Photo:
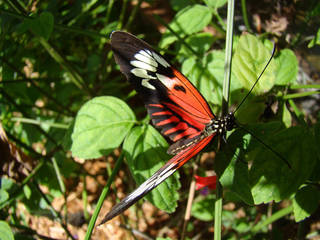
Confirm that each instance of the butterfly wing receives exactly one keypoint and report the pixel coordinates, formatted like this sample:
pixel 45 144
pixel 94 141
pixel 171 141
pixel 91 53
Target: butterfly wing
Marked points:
pixel 158 177
pixel 174 104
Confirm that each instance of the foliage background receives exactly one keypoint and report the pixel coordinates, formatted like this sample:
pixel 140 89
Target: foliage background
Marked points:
pixel 55 58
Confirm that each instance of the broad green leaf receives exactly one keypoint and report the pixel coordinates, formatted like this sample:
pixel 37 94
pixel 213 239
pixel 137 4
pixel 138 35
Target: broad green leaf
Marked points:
pixel 270 178
pixel 189 20
pixel 42 25
pixel 215 3
pixel 5 231
pixel 287 67
pixel 203 208
pixel 199 42
pixel 250 57
pixel 305 202
pixel 100 126
pixel 235 176
pixel 251 110
pixel 145 151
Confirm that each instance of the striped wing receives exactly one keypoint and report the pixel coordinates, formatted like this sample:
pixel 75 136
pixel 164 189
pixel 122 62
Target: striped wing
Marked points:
pixel 158 177
pixel 174 104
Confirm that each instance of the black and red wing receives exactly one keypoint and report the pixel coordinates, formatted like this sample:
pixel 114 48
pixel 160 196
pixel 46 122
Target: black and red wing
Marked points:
pixel 174 104
pixel 158 177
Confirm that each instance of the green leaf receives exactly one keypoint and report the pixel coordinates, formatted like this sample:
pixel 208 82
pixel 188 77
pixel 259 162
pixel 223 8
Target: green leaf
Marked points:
pixel 287 67
pixel 286 116
pixel 199 42
pixel 100 126
pixel 215 3
pixel 251 110
pixel 42 25
pixel 145 151
pixel 27 191
pixel 270 178
pixel 4 196
pixel 203 208
pixel 235 177
pixel 5 231
pixel 315 176
pixel 189 20
pixel 315 40
pixel 177 5
pixel 250 57
pixel 305 202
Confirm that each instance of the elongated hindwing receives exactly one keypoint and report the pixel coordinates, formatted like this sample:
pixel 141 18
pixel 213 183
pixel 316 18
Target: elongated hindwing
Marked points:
pixel 174 104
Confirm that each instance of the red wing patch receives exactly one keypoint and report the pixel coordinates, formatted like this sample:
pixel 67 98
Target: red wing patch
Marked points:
pixel 174 104
pixel 158 177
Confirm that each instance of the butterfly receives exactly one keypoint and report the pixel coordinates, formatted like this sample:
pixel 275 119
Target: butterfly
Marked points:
pixel 175 106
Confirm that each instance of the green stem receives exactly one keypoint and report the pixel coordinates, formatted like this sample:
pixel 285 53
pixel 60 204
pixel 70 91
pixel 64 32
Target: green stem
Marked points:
pixel 123 11
pixel 245 15
pixel 305 86
pixel 297 112
pixel 110 5
pixel 281 213
pixel 74 75
pixel 62 187
pixel 220 20
pixel 299 95
pixel 218 211
pixel 55 213
pixel 133 14
pixel 225 103
pixel 102 197
pixel 38 122
pixel 85 198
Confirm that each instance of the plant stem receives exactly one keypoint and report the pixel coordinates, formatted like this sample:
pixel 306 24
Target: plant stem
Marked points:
pixel 244 15
pixel 298 95
pixel 39 122
pixel 225 103
pixel 281 213
pixel 305 86
pixel 103 196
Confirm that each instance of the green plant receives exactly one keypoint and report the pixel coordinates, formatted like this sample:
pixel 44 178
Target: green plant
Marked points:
pixel 53 63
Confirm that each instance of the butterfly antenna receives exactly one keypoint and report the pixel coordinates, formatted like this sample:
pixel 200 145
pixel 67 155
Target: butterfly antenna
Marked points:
pixel 255 83
pixel 266 146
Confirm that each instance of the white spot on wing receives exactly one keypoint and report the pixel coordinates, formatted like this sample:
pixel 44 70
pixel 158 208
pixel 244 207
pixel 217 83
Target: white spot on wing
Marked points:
pixel 145 83
pixel 143 65
pixel 149 60
pixel 160 60
pixel 168 82
pixel 142 73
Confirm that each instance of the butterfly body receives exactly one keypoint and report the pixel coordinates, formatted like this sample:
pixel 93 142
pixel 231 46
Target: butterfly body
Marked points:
pixel 175 106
